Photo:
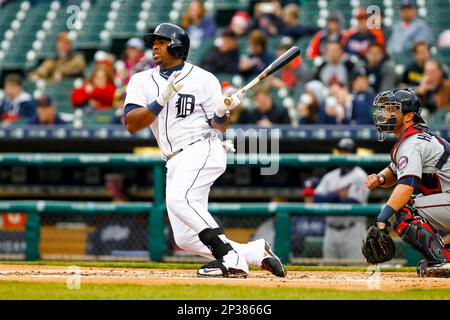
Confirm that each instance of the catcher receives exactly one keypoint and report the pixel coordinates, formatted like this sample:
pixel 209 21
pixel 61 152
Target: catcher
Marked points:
pixel 419 163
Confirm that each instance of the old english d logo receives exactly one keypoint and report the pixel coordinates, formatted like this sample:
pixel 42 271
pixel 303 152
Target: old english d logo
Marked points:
pixel 185 105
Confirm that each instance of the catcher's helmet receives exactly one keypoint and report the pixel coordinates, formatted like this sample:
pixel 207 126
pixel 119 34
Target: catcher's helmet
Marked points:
pixel 346 144
pixel 179 40
pixel 388 105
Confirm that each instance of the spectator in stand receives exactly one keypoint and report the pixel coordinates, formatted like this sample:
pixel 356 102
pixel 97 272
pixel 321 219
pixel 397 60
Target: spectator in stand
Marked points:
pixel 413 73
pixel 134 61
pixel 408 31
pixel 67 63
pixel 197 24
pixel 223 58
pixel 380 69
pixel 46 113
pixel 105 58
pixel 97 92
pixel 239 23
pixel 291 20
pixel 17 103
pixel 434 89
pixel 338 106
pixel 333 32
pixel 257 58
pixel 345 107
pixel 362 98
pixel 267 18
pixel 336 67
pixel 311 102
pixel 357 40
pixel 293 76
pixel 266 112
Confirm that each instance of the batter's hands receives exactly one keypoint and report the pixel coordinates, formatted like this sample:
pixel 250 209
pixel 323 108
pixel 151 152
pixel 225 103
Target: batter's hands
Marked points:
pixel 222 108
pixel 373 181
pixel 170 90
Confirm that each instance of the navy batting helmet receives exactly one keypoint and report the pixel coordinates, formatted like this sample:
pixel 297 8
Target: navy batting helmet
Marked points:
pixel 388 105
pixel 179 40
pixel 346 144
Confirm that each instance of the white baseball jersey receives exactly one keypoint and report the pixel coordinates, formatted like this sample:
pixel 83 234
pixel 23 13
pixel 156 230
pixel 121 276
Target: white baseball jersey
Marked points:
pixel 186 116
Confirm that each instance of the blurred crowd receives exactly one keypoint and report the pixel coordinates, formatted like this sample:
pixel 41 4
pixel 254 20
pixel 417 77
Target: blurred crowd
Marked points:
pixel 334 81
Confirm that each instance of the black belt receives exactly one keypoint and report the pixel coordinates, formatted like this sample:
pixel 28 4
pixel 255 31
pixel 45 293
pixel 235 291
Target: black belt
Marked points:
pixel 170 156
pixel 341 226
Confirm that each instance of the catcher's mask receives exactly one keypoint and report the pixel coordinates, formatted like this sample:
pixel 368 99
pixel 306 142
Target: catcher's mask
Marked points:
pixel 389 105
pixel 386 111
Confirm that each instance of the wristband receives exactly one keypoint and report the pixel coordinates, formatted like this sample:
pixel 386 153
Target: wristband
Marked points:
pixel 385 213
pixel 220 120
pixel 155 108
pixel 384 178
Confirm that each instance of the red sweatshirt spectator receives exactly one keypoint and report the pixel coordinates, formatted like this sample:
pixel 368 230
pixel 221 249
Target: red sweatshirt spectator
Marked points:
pixel 98 91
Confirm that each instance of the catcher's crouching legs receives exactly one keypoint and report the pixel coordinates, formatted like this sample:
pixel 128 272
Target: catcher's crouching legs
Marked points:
pixel 419 234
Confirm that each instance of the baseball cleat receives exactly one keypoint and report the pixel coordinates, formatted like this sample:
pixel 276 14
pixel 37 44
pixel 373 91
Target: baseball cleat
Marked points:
pixel 272 263
pixel 232 265
pixel 438 270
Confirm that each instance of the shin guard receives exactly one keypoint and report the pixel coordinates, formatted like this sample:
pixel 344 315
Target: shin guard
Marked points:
pixel 417 232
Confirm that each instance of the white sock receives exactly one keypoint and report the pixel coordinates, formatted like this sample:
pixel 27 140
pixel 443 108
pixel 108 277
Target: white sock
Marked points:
pixel 253 251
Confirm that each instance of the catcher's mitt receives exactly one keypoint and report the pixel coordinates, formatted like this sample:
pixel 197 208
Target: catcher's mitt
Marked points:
pixel 378 246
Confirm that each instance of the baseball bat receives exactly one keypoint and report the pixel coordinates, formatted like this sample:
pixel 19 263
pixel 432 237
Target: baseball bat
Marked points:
pixel 276 65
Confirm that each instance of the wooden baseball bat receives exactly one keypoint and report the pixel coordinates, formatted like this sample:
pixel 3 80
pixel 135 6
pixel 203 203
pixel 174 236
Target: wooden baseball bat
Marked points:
pixel 276 65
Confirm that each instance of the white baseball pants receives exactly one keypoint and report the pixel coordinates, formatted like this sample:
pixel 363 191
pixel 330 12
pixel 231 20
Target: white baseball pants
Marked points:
pixel 190 175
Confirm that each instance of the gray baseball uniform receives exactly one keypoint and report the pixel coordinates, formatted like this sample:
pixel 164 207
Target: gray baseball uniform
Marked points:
pixel 340 229
pixel 419 155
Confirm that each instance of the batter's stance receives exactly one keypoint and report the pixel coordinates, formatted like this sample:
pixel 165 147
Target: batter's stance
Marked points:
pixel 419 162
pixel 184 107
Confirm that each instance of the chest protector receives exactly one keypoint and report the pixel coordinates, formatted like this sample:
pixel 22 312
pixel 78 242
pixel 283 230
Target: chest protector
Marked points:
pixel 430 182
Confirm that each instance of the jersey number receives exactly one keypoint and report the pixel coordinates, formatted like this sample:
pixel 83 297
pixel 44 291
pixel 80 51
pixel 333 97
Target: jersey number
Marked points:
pixel 424 136
pixel 185 105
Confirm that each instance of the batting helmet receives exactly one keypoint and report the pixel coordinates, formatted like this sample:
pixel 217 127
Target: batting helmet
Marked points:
pixel 346 144
pixel 388 105
pixel 179 40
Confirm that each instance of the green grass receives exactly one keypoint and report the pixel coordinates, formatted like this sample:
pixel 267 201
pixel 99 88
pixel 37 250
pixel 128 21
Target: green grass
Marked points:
pixel 33 290
pixel 157 265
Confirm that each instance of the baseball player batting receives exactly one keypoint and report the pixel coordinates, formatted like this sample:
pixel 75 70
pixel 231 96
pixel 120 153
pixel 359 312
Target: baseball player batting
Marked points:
pixel 185 109
pixel 419 162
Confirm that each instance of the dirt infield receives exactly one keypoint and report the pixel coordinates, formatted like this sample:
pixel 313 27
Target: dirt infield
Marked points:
pixel 390 281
